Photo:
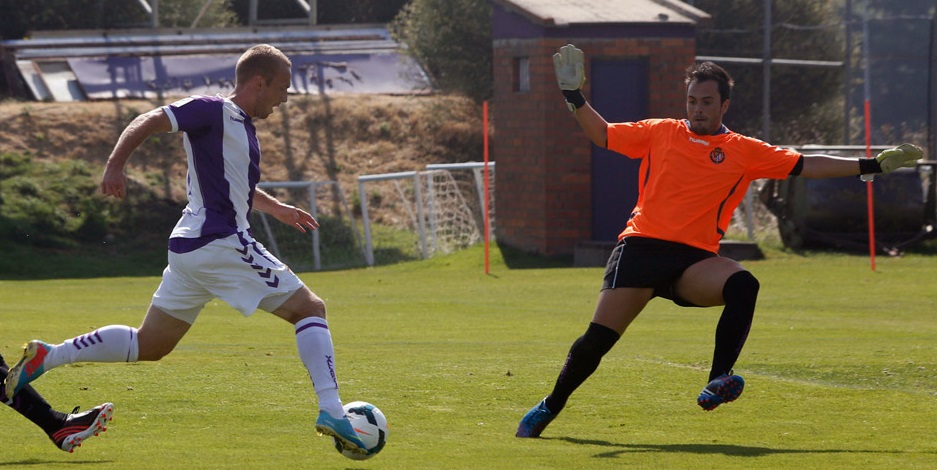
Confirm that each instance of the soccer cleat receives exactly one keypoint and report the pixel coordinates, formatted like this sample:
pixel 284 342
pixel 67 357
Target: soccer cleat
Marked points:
pixel 79 427
pixel 722 389
pixel 27 369
pixel 535 421
pixel 342 430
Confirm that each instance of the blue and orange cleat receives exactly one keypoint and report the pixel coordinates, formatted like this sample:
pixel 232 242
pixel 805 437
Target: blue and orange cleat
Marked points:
pixel 342 430
pixel 27 369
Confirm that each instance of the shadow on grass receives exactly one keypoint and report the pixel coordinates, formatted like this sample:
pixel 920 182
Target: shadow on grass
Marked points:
pixel 720 449
pixel 50 463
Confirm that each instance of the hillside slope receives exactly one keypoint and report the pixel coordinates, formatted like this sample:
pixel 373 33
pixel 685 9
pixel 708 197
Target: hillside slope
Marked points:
pixel 309 138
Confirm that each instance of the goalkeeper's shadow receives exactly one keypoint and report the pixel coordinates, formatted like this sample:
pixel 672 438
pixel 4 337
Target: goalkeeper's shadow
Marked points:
pixel 707 449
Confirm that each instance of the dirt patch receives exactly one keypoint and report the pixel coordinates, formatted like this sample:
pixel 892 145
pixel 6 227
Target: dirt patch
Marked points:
pixel 311 138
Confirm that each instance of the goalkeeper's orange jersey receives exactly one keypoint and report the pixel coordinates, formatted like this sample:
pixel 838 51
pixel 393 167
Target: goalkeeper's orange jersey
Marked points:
pixel 689 184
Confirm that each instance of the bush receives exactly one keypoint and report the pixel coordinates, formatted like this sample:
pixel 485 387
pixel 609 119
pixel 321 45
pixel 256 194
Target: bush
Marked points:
pixel 57 205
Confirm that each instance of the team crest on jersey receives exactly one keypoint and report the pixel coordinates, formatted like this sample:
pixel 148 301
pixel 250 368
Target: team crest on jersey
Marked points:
pixel 717 156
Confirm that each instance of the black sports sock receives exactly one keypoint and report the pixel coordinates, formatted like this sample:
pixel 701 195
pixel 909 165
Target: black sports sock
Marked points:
pixel 583 359
pixel 740 293
pixel 30 404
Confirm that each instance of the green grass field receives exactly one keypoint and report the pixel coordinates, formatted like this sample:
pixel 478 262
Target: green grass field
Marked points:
pixel 841 372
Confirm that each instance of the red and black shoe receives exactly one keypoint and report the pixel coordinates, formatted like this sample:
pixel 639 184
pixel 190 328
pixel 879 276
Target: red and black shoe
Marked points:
pixel 79 427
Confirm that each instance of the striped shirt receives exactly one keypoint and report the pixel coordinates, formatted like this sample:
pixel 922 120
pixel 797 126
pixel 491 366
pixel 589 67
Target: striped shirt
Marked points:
pixel 223 160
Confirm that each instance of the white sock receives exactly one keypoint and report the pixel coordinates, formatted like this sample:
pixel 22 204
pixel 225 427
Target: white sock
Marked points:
pixel 315 350
pixel 115 343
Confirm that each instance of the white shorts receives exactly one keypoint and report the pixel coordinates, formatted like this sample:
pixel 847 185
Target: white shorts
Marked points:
pixel 245 277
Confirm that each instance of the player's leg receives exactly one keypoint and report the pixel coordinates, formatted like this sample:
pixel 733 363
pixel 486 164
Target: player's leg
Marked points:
pixel 306 312
pixel 158 335
pixel 615 310
pixel 722 281
pixel 66 431
pixel 30 404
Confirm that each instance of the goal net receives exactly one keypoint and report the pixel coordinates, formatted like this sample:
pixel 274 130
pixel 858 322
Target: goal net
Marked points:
pixel 335 245
pixel 417 214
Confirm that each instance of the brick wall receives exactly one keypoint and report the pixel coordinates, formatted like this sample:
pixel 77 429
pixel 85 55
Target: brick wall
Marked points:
pixel 544 182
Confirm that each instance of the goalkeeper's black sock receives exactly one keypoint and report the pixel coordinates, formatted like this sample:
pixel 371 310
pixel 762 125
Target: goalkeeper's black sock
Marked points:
pixel 30 404
pixel 740 293
pixel 584 357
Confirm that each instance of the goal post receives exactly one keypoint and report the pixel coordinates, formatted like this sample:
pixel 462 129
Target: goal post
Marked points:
pixel 421 213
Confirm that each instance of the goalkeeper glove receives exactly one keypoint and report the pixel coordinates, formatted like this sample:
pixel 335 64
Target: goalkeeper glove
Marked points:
pixel 569 65
pixel 904 155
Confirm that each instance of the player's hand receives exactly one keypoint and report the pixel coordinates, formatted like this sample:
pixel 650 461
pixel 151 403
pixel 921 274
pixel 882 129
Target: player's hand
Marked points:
pixel 295 217
pixel 114 183
pixel 570 69
pixel 904 155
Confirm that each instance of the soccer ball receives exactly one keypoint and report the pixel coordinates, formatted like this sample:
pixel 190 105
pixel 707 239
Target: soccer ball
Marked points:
pixel 370 424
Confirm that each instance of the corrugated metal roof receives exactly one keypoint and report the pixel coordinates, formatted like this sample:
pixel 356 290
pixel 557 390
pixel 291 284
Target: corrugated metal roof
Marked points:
pixel 563 12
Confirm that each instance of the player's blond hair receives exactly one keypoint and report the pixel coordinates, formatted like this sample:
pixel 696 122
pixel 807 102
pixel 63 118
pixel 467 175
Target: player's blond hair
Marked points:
pixel 262 59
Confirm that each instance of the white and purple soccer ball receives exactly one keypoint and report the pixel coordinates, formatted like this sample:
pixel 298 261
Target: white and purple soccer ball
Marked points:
pixel 370 424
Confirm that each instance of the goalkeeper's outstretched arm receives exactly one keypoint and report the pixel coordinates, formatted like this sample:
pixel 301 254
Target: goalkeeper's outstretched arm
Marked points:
pixel 827 166
pixel 569 65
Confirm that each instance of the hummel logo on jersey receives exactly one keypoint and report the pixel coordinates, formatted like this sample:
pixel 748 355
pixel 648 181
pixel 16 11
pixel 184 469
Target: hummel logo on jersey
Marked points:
pixel 235 119
pixel 699 141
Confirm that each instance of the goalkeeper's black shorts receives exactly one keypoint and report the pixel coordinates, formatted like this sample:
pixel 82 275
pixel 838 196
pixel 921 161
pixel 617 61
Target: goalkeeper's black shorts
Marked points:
pixel 648 262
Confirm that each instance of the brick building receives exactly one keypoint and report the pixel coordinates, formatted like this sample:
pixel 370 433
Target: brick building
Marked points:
pixel 555 189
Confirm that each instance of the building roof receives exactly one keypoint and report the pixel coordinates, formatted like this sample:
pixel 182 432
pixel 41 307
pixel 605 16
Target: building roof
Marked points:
pixel 566 12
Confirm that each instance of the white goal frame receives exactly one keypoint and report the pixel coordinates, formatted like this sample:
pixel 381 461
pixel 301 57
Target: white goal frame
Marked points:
pixel 311 188
pixel 418 212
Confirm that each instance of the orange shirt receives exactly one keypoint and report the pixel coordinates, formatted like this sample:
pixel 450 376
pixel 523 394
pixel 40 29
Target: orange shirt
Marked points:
pixel 689 184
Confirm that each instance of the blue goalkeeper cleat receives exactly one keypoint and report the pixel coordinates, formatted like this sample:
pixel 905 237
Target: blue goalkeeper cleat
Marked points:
pixel 27 369
pixel 535 421
pixel 722 389
pixel 342 430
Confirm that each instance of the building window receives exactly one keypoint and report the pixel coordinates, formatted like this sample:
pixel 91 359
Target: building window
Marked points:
pixel 521 74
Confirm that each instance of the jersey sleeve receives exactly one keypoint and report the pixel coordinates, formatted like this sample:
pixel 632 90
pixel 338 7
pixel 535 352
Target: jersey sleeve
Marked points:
pixel 631 139
pixel 193 114
pixel 770 161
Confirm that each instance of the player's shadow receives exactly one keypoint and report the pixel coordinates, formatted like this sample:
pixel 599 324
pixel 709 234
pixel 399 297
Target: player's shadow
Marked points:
pixel 40 463
pixel 722 449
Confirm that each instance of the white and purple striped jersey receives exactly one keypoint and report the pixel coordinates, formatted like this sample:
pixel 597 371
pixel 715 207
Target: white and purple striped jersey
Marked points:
pixel 223 159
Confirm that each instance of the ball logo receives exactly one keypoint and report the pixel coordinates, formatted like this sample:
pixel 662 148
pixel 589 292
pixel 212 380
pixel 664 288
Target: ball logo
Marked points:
pixel 717 156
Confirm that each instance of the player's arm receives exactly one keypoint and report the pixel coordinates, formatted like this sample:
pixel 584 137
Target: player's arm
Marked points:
pixel 289 215
pixel 114 182
pixel 828 166
pixel 569 64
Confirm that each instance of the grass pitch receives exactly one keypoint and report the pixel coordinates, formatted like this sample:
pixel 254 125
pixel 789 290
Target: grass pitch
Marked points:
pixel 841 372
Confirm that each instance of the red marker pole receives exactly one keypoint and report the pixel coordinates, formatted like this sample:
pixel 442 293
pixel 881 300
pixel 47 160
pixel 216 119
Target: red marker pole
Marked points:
pixel 486 176
pixel 870 200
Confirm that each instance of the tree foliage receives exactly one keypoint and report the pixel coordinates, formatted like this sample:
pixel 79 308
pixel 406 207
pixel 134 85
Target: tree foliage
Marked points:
pixel 806 102
pixel 452 40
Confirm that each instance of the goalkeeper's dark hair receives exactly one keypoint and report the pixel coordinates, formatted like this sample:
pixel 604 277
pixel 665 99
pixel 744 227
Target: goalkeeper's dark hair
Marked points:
pixel 704 71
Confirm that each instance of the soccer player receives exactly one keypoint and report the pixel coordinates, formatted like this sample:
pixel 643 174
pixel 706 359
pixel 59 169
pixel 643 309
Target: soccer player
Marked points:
pixel 211 251
pixel 694 172
pixel 66 430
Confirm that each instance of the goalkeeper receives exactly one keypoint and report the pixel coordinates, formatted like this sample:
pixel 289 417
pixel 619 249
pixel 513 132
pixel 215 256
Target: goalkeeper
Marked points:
pixel 694 172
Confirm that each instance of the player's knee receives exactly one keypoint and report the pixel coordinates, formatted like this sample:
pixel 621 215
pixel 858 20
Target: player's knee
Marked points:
pixel 741 287
pixel 597 341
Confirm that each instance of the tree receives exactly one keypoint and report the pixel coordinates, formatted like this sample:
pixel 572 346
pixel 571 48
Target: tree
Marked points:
pixel 452 40
pixel 19 18
pixel 806 102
